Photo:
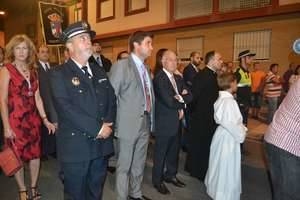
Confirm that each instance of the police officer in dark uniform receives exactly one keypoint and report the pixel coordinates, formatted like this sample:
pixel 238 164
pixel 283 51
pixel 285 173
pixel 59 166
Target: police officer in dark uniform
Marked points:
pixel 244 83
pixel 86 108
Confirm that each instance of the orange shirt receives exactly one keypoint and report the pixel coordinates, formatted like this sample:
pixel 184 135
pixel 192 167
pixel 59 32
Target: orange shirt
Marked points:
pixel 257 78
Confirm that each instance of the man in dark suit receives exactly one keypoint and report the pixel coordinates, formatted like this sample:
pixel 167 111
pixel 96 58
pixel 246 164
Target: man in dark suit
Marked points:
pixel 48 140
pixel 203 126
pixel 86 105
pixel 192 68
pixel 189 73
pixel 171 96
pixel 98 58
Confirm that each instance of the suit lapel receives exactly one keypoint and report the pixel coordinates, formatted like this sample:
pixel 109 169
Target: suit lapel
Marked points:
pixel 170 83
pixel 132 64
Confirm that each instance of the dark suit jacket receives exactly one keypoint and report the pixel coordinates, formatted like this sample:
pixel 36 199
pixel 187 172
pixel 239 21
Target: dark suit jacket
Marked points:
pixel 83 105
pixel 205 93
pixel 203 126
pixel 166 113
pixel 46 94
pixel 105 61
pixel 189 73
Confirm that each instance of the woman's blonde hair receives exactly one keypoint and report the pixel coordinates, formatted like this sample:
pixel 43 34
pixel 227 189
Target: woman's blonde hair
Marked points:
pixel 16 40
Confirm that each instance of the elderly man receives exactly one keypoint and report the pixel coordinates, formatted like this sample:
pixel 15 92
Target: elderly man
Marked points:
pixel 171 97
pixel 85 100
pixel 203 126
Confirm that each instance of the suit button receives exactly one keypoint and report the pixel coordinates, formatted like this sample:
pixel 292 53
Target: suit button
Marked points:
pixel 102 118
pixel 80 91
pixel 101 104
pixel 73 134
pixel 84 134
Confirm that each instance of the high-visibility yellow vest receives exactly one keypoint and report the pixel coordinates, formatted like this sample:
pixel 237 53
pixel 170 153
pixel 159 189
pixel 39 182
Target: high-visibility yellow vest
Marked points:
pixel 245 78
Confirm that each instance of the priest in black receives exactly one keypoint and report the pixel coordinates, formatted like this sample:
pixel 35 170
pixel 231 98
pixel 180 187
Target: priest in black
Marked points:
pixel 203 126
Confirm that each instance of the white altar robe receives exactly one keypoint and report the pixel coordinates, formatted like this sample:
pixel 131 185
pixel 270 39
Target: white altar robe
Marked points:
pixel 223 177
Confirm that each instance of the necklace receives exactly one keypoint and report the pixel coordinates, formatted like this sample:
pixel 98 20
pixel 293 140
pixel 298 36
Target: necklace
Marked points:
pixel 26 74
pixel 24 70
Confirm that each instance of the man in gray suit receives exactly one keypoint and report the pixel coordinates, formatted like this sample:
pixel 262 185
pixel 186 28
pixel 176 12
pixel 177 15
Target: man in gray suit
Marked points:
pixel 135 107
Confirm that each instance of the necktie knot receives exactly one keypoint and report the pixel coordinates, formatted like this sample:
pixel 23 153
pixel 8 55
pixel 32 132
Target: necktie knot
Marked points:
pixel 99 61
pixel 86 72
pixel 46 67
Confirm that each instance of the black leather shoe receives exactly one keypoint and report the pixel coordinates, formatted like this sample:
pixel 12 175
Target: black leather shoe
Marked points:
pixel 175 181
pixel 162 188
pixel 139 198
pixel 111 169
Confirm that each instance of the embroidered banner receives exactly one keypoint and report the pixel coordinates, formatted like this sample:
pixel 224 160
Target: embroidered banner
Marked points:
pixel 54 19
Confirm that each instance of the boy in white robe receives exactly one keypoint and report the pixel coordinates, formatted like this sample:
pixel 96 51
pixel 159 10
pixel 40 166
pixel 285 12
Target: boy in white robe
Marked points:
pixel 223 177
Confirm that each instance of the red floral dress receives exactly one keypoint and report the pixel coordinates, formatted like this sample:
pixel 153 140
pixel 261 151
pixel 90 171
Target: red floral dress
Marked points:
pixel 23 115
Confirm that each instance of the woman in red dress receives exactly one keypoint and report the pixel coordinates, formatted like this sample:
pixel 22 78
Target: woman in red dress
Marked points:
pixel 22 109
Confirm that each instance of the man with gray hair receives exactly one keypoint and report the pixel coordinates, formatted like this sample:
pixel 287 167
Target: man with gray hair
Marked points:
pixel 171 97
pixel 86 103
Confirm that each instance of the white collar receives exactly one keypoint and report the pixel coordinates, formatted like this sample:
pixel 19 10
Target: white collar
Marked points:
pixel 195 67
pixel 80 66
pixel 137 60
pixel 168 73
pixel 96 55
pixel 224 94
pixel 211 68
pixel 45 65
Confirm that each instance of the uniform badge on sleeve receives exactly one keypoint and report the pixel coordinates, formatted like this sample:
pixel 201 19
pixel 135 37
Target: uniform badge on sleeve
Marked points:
pixel 75 81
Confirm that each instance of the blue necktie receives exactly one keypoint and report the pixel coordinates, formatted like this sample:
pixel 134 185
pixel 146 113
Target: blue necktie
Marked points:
pixel 99 61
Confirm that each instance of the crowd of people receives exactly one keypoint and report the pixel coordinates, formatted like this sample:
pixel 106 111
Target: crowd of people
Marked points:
pixel 87 111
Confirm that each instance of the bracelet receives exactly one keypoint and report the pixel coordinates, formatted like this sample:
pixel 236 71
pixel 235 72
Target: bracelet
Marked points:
pixel 43 118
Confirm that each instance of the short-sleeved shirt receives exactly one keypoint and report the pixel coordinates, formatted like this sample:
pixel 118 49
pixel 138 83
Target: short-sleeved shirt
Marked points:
pixel 257 78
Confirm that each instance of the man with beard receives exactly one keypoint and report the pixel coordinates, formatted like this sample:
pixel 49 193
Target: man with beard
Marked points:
pixel 189 73
pixel 85 104
pixel 192 68
pixel 98 58
pixel 203 126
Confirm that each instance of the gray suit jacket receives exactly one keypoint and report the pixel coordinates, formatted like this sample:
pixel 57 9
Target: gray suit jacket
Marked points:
pixel 125 79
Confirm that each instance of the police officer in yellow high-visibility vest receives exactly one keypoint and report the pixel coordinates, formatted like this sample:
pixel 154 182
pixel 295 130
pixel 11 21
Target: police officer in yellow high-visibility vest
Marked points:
pixel 244 83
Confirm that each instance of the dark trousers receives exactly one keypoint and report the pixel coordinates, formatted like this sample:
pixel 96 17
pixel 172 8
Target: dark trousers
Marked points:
pixel 84 180
pixel 244 111
pixel 285 173
pixel 166 151
pixel 48 142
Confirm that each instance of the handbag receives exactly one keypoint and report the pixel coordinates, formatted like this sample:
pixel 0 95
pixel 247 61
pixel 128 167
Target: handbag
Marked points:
pixel 10 162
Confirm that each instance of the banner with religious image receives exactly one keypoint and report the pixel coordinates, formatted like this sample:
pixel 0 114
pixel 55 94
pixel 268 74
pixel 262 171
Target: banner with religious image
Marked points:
pixel 54 19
